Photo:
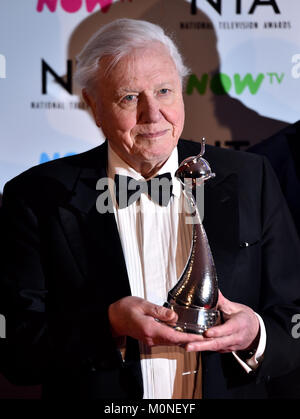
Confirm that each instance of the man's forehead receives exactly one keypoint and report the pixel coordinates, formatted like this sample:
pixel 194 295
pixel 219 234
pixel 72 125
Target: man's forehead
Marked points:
pixel 132 87
pixel 154 59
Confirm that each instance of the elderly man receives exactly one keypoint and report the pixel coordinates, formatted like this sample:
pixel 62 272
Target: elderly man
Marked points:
pixel 85 287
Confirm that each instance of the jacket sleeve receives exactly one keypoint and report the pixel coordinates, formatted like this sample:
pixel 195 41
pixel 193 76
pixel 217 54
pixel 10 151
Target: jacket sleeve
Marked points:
pixel 280 279
pixel 40 338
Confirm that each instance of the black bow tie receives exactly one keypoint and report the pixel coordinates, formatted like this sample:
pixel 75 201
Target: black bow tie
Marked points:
pixel 129 190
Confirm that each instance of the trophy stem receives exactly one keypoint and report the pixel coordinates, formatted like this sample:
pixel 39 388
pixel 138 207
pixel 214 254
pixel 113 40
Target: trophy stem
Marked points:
pixel 194 298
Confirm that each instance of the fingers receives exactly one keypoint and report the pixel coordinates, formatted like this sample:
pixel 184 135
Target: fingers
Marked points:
pixel 235 334
pixel 161 313
pixel 241 323
pixel 157 333
pixel 222 344
pixel 147 322
pixel 230 327
pixel 136 317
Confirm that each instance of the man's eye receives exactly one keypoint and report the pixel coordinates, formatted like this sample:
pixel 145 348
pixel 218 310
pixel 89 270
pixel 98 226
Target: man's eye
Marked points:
pixel 164 91
pixel 129 98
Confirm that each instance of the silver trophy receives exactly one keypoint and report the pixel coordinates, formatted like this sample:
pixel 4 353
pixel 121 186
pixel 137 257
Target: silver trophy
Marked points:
pixel 194 298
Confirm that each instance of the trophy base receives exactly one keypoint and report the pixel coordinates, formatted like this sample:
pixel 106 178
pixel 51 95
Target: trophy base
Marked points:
pixel 191 320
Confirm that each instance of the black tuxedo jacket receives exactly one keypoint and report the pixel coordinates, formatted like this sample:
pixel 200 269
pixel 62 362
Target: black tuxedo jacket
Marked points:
pixel 62 266
pixel 283 152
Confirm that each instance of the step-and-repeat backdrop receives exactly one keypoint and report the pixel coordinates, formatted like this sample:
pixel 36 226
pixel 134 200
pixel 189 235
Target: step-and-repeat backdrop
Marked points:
pixel 244 86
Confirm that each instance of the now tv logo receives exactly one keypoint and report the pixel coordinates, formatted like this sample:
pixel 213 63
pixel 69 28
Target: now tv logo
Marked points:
pixel 72 6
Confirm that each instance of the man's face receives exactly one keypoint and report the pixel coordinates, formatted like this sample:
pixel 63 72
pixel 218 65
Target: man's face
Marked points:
pixel 139 107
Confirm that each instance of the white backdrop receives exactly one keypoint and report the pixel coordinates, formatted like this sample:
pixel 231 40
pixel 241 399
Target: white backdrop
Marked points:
pixel 244 56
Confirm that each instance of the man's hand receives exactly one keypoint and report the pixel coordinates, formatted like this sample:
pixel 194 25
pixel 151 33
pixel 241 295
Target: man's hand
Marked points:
pixel 136 317
pixel 239 332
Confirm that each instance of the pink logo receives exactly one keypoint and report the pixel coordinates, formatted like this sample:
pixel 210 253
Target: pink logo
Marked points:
pixel 72 6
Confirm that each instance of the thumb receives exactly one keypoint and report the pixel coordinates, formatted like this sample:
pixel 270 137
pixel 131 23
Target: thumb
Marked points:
pixel 224 305
pixel 162 313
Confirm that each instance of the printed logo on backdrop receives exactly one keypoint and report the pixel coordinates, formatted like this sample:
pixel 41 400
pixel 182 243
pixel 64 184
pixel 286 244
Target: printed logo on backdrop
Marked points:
pixel 65 82
pixel 206 82
pixel 45 157
pixel 73 6
pixel 234 16
pixel 219 83
pixel 218 5
pixel 2 66
pixel 238 7
pixel 222 83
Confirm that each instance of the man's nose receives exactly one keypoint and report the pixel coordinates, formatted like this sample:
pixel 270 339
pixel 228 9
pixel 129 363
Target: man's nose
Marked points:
pixel 149 110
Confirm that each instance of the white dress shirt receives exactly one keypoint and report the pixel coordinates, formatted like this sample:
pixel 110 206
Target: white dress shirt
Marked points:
pixel 156 243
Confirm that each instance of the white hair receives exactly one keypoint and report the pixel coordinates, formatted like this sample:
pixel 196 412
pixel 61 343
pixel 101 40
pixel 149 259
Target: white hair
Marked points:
pixel 118 39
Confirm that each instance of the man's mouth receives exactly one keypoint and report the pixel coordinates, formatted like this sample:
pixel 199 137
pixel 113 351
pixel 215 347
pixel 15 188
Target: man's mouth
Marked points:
pixel 155 134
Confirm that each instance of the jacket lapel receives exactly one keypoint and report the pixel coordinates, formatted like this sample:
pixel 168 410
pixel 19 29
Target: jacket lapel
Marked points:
pixel 93 237
pixel 221 222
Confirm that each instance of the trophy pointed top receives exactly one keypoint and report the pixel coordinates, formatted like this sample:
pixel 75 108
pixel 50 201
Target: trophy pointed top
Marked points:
pixel 202 147
pixel 195 167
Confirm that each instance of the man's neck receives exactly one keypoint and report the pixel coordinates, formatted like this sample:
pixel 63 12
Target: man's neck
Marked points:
pixel 146 170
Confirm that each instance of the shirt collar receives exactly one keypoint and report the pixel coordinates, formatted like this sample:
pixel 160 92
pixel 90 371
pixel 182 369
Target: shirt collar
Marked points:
pixel 117 166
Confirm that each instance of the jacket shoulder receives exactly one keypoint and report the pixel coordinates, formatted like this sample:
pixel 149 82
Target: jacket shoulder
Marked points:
pixel 55 177
pixel 222 159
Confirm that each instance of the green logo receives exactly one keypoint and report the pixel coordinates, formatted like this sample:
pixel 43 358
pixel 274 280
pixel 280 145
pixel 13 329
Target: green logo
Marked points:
pixel 221 83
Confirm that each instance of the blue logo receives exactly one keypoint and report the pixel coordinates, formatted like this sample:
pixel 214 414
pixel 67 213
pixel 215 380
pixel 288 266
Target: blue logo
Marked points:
pixel 44 157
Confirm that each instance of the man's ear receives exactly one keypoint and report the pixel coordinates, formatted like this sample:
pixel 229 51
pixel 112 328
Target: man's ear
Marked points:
pixel 92 104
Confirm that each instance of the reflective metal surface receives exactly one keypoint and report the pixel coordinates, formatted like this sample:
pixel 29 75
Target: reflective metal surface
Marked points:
pixel 194 298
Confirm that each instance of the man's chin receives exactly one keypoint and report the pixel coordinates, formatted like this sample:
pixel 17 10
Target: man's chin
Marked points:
pixel 155 159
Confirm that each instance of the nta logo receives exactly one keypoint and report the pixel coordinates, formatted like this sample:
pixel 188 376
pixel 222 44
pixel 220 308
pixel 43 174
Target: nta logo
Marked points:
pixel 2 66
pixel 65 82
pixel 217 5
pixel 72 6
